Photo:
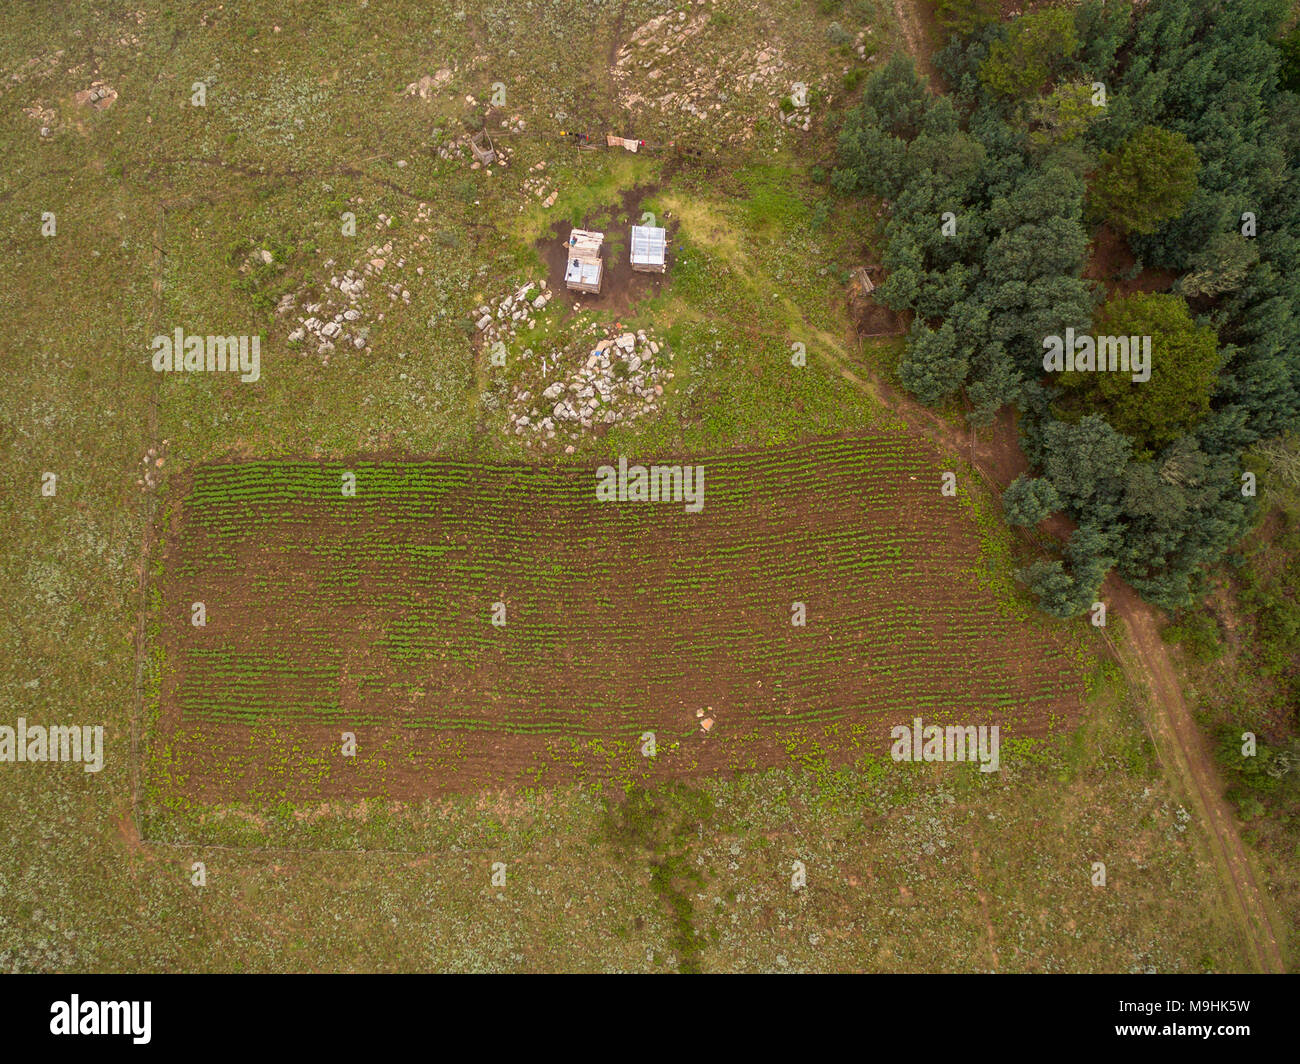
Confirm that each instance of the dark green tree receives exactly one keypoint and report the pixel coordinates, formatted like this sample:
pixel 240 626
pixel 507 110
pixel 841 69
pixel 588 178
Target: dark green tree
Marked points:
pixel 932 366
pixel 1029 500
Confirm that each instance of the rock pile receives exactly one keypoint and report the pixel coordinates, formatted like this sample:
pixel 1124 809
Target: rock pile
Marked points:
pixel 797 117
pixel 99 96
pixel 620 379
pixel 46 116
pixel 152 461
pixel 669 65
pixel 502 317
pixel 342 317
pixel 458 148
pixel 538 186
pixel 339 320
pixel 426 86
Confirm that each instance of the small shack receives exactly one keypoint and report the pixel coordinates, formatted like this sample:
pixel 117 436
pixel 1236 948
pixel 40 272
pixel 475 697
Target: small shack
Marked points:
pixel 583 266
pixel 481 145
pixel 649 249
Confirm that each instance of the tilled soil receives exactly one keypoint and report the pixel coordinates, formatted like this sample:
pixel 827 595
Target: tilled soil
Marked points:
pixel 373 615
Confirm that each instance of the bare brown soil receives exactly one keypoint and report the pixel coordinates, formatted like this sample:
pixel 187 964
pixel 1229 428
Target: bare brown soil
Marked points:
pixel 872 318
pixel 651 616
pixel 620 285
pixel 996 448
pixel 920 28
pixel 1111 259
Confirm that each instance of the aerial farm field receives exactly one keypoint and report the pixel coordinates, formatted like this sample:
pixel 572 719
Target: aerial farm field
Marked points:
pixel 376 613
pixel 500 812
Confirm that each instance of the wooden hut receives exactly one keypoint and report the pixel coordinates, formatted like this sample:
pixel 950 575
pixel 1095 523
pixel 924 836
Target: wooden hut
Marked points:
pixel 583 266
pixel 649 250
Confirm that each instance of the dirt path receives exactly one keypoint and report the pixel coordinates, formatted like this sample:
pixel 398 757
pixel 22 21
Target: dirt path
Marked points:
pixel 1146 662
pixel 1183 751
pixel 1145 659
pixel 918 45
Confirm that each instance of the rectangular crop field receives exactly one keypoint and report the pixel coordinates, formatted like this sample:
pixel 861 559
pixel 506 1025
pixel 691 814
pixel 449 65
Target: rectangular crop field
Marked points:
pixel 373 614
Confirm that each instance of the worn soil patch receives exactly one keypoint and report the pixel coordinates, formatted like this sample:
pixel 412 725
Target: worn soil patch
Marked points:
pixel 620 286
pixel 870 318
pixel 372 615
pixel 996 448
pixel 1111 259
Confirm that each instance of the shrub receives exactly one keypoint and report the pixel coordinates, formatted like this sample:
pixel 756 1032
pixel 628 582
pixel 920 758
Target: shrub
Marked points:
pixel 838 35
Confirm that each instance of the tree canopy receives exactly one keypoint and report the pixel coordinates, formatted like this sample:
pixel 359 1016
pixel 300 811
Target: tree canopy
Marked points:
pixel 1147 181
pixel 1184 358
pixel 1190 154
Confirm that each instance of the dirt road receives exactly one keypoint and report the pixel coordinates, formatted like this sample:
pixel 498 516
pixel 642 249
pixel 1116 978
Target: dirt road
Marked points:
pixel 913 29
pixel 1146 662
pixel 1145 658
pixel 1184 753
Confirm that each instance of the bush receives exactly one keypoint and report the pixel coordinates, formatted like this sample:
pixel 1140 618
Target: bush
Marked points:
pixel 838 35
pixel 1196 633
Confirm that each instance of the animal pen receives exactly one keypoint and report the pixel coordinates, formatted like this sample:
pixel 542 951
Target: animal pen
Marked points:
pixel 484 150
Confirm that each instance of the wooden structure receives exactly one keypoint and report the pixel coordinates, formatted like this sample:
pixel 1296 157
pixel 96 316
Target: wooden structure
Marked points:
pixel 649 249
pixel 481 145
pixel 583 266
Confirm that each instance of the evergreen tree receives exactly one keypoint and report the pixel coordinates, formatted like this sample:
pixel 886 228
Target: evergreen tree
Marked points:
pixel 1029 500
pixel 1148 180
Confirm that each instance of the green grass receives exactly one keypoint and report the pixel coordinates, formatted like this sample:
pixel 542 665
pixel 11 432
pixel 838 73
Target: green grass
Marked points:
pixel 299 126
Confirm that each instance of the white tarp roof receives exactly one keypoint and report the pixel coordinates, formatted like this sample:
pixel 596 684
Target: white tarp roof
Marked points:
pixel 583 271
pixel 648 243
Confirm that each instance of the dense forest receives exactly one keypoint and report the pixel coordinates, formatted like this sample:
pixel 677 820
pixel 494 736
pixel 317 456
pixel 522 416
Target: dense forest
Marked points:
pixel 1165 134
